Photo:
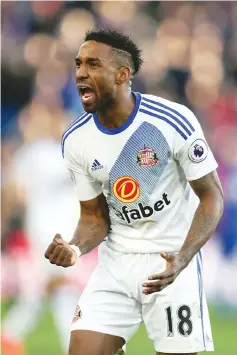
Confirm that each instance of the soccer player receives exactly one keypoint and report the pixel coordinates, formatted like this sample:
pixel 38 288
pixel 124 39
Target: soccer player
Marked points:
pixel 146 179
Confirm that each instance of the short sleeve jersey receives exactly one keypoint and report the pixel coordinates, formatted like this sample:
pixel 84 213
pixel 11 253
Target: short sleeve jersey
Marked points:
pixel 143 168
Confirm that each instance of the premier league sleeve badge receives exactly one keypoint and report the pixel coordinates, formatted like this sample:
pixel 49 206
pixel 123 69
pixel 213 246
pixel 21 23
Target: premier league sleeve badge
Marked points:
pixel 197 151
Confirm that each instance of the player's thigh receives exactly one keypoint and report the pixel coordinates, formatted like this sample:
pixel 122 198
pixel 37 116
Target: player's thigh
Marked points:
pixel 86 342
pixel 176 318
pixel 106 307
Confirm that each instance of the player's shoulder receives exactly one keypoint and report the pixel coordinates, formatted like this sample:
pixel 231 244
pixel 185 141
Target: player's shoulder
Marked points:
pixel 164 105
pixel 177 116
pixel 76 130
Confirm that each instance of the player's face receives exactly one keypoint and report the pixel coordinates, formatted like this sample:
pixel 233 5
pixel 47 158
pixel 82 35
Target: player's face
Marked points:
pixel 95 76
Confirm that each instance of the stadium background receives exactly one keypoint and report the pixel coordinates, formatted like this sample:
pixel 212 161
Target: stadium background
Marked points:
pixel 190 53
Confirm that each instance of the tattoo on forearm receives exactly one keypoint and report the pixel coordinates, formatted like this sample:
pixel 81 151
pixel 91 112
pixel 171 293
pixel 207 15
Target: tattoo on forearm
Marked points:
pixel 87 246
pixel 89 234
pixel 203 225
pixel 206 216
pixel 93 225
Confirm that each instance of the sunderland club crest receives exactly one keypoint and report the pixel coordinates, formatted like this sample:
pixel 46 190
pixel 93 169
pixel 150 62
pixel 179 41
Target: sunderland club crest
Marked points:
pixel 147 157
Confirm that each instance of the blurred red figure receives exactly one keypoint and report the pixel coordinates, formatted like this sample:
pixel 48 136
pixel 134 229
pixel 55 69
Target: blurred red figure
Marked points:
pixel 16 252
pixel 43 212
pixel 17 278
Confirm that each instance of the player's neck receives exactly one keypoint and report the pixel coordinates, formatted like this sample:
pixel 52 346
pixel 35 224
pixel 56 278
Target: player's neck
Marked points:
pixel 119 112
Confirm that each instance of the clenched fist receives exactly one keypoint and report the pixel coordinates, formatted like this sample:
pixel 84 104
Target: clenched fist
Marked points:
pixel 60 252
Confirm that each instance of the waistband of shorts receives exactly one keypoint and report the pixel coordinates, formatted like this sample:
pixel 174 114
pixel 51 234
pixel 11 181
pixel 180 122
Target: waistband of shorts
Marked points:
pixel 140 247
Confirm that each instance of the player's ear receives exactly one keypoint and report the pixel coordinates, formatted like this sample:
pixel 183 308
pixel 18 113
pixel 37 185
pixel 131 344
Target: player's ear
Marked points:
pixel 123 75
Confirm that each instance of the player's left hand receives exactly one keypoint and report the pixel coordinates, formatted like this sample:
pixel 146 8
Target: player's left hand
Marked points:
pixel 174 265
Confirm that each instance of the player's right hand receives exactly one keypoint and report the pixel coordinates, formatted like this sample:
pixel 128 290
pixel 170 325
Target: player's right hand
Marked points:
pixel 59 252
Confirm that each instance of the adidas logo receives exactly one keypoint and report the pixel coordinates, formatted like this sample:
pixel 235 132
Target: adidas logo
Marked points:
pixel 96 165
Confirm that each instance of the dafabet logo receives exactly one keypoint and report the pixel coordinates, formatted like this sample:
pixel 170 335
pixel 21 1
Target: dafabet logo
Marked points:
pixel 126 189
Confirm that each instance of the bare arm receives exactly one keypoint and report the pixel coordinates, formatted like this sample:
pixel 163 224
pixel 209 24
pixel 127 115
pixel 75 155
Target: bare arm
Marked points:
pixel 207 215
pixel 93 225
pixel 92 228
pixel 205 220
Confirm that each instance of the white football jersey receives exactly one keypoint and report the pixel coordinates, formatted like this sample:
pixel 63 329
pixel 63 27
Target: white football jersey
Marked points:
pixel 143 168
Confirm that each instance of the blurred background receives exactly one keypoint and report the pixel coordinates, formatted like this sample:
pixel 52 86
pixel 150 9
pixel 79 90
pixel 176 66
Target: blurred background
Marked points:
pixel 190 54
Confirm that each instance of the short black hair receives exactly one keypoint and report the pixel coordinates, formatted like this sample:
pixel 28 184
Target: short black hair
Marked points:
pixel 120 42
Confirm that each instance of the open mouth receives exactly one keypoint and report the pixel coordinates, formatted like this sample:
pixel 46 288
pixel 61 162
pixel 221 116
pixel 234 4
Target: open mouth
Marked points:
pixel 86 93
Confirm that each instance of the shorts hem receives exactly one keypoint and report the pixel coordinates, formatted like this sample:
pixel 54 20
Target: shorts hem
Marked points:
pixel 100 329
pixel 171 351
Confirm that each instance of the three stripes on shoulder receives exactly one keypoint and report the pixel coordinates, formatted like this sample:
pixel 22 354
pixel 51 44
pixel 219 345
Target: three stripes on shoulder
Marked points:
pixel 167 114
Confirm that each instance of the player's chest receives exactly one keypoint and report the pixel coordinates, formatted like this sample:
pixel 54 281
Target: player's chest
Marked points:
pixel 141 155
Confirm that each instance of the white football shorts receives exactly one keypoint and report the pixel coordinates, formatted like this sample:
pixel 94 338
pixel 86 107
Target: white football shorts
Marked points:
pixel 176 318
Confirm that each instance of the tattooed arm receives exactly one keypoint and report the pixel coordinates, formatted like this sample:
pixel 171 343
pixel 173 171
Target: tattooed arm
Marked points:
pixel 205 220
pixel 91 230
pixel 93 224
pixel 207 215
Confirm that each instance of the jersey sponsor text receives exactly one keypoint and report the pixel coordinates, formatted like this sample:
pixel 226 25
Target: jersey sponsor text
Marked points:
pixel 142 211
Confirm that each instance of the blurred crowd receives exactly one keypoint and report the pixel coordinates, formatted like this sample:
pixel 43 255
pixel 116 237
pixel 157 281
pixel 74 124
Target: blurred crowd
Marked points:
pixel 190 56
